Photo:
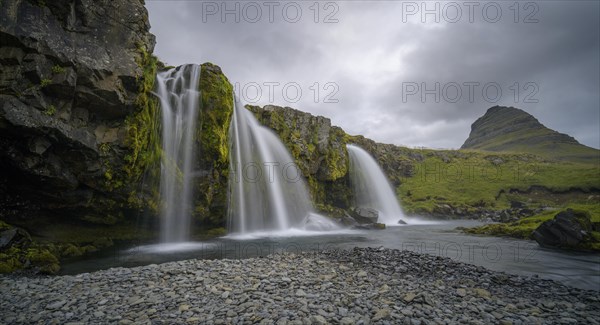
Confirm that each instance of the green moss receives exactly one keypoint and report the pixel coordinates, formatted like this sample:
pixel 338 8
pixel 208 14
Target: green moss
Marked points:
pixel 9 264
pixel 143 138
pixel 50 110
pixel 70 250
pixel 104 148
pixel 44 260
pixel 45 82
pixel 58 69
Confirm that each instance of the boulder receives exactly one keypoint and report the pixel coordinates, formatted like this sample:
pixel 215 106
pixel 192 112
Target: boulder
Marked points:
pixel 365 215
pixel 13 236
pixel 401 222
pixel 569 229
pixel 348 221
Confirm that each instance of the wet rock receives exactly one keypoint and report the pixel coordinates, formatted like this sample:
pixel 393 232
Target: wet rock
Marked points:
pixel 365 215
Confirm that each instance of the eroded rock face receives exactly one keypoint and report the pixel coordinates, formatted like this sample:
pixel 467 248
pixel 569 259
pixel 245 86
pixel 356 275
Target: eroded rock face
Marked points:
pixel 68 81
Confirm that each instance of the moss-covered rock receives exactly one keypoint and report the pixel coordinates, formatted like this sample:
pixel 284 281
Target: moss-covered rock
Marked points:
pixel 213 142
pixel 318 149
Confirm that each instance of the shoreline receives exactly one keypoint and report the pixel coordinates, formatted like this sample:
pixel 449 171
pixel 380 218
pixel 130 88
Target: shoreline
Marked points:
pixel 362 285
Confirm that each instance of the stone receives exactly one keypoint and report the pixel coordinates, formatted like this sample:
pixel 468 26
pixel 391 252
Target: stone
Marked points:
pixel 568 229
pixel 365 215
pixel 483 293
pixel 13 237
pixel 56 304
pixel 318 319
pixel 461 292
pixel 347 321
pixel 409 297
pixel 381 314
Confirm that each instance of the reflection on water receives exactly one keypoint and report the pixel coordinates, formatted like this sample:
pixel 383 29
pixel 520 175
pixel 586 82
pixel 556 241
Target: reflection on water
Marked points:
pixel 440 239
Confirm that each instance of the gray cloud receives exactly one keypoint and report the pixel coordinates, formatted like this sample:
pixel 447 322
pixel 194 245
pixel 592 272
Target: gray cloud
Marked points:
pixel 370 53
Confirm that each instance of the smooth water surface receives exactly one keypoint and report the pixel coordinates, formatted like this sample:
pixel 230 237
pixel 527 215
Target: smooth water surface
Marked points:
pixel 440 238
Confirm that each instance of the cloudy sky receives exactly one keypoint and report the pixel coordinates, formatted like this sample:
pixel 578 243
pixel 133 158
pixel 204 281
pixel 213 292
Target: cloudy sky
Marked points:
pixel 376 67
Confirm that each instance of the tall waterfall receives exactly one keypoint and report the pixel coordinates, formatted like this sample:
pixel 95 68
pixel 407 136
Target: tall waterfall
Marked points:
pixel 178 91
pixel 371 187
pixel 266 189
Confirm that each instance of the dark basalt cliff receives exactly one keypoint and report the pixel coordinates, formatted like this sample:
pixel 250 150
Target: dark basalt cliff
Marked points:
pixel 79 130
pixel 71 74
pixel 71 77
pixel 511 129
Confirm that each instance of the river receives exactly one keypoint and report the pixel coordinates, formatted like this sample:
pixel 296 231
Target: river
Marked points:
pixel 440 238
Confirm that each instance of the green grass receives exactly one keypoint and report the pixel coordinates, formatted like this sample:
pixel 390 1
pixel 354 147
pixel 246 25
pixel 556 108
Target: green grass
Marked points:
pixel 470 180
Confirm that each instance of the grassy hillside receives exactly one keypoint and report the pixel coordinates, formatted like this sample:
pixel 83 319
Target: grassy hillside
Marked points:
pixel 471 179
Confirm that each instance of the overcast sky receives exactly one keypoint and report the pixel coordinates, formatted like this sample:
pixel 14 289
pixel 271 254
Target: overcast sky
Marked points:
pixel 377 64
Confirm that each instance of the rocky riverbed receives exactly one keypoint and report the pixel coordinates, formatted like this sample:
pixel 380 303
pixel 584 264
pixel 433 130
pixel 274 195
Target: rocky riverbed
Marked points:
pixel 360 286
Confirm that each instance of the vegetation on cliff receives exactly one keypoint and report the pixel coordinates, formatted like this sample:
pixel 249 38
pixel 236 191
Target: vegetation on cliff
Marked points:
pixel 213 135
pixel 319 151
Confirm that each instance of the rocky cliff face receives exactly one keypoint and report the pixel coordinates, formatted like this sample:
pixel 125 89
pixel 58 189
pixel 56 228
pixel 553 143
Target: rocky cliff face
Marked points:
pixel 511 129
pixel 318 148
pixel 71 77
pixel 71 73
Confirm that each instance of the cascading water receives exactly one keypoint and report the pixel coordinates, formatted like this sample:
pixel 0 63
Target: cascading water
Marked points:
pixel 178 92
pixel 371 187
pixel 266 189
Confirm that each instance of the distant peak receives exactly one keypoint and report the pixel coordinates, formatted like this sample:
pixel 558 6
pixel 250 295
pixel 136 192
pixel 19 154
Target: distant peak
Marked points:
pixel 504 128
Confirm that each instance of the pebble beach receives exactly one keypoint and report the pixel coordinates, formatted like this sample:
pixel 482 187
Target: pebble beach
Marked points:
pixel 359 286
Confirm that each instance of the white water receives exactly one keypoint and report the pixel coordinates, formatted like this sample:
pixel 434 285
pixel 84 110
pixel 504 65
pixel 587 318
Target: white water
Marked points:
pixel 178 92
pixel 267 193
pixel 371 187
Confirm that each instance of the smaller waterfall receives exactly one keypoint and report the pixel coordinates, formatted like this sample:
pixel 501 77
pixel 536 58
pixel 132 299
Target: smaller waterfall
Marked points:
pixel 371 187
pixel 178 92
pixel 266 189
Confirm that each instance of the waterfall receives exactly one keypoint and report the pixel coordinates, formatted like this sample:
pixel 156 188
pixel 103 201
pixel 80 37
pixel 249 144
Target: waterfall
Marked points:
pixel 178 92
pixel 266 188
pixel 371 187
